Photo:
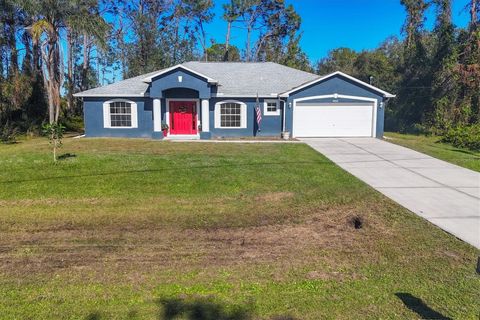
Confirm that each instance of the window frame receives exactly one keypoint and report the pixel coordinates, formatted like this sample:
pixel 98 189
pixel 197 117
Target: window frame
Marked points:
pixel 107 119
pixel 265 107
pixel 243 114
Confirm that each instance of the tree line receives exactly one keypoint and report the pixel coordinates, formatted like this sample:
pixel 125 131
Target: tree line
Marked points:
pixel 435 73
pixel 50 49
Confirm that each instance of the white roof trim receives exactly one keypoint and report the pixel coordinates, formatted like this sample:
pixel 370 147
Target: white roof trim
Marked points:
pixel 107 95
pixel 149 79
pixel 384 93
pixel 253 95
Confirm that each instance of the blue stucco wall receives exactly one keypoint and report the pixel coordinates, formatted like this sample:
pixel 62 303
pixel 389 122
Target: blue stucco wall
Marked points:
pixel 93 116
pixel 193 87
pixel 341 86
pixel 189 81
pixel 269 126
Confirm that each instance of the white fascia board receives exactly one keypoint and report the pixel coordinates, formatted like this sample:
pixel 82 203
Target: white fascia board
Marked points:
pixel 179 66
pixel 107 95
pixel 307 84
pixel 221 95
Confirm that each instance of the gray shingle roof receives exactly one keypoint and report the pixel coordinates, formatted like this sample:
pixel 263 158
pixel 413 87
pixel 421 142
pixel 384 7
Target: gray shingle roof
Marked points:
pixel 234 79
pixel 264 78
pixel 125 88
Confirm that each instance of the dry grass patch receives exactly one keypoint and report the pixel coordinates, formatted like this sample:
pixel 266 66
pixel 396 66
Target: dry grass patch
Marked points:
pixel 125 247
pixel 273 226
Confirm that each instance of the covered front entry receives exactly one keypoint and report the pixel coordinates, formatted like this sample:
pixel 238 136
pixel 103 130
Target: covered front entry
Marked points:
pixel 183 117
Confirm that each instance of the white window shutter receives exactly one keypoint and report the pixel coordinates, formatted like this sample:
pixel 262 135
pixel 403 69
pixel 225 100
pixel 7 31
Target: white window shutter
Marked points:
pixel 106 115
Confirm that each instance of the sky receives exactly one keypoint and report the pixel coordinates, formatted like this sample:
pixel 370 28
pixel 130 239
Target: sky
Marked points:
pixel 329 24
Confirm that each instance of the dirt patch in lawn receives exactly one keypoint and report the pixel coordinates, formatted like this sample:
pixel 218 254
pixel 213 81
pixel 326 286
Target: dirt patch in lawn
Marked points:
pixel 274 196
pixel 323 237
pixel 53 202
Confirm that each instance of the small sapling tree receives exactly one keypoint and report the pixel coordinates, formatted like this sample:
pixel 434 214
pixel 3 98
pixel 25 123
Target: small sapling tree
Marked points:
pixel 54 132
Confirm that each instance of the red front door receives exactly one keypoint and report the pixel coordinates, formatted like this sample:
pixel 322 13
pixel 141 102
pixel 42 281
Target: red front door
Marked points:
pixel 183 117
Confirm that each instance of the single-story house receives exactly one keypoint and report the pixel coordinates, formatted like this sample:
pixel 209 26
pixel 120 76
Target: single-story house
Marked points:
pixel 203 100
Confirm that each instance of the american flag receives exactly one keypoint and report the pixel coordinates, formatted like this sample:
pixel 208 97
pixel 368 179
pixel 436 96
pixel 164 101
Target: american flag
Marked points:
pixel 259 113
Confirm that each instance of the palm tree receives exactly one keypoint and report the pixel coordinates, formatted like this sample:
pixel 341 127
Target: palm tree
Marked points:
pixel 50 18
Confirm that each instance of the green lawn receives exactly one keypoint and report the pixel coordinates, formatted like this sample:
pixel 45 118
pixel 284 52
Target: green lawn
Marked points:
pixel 139 229
pixel 432 146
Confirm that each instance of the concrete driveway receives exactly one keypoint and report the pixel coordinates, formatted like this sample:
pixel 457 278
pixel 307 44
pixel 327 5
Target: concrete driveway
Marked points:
pixel 444 194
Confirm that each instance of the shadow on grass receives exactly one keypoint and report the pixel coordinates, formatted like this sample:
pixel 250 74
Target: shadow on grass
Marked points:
pixel 470 153
pixel 66 156
pixel 201 309
pixel 441 145
pixel 197 308
pixel 419 307
pixel 93 316
pixel 172 168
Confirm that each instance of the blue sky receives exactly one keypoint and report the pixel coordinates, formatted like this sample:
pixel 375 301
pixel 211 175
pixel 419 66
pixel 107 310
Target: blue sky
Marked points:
pixel 329 24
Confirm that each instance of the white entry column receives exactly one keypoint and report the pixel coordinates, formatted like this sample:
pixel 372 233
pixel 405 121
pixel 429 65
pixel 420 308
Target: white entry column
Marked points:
pixel 205 115
pixel 157 115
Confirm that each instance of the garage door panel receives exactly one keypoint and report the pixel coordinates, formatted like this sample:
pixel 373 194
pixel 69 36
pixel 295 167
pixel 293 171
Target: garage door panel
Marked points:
pixel 333 121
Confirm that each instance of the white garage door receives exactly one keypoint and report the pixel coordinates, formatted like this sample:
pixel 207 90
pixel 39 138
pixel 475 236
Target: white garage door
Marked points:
pixel 322 120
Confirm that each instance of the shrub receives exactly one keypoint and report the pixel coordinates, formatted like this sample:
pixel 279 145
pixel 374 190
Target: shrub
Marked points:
pixel 464 137
pixel 73 123
pixel 8 134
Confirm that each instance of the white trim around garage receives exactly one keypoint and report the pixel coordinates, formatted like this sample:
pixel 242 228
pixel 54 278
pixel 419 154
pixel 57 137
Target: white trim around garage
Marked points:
pixel 307 84
pixel 341 96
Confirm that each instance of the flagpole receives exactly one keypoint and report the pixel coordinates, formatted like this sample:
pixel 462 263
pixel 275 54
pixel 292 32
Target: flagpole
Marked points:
pixel 258 113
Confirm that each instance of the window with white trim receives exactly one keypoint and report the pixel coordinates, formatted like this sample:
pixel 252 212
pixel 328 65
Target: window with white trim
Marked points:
pixel 120 114
pixel 230 115
pixel 271 108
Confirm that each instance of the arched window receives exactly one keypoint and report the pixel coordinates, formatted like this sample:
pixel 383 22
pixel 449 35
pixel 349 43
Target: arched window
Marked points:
pixel 230 114
pixel 120 113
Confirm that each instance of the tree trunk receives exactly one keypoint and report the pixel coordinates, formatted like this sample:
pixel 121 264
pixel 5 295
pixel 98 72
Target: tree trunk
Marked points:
pixel 175 45
pixel 473 13
pixel 86 60
pixel 227 41
pixel 203 41
pixel 36 57
pixel 69 71
pixel 121 44
pixel 54 81
pixel 249 31
pixel 12 42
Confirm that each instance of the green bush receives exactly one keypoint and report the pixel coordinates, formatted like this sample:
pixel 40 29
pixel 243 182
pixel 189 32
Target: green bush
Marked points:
pixel 73 124
pixel 8 133
pixel 464 137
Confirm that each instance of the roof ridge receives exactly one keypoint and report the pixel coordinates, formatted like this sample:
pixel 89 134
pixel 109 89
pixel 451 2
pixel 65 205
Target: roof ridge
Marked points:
pixel 239 62
pixel 233 77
